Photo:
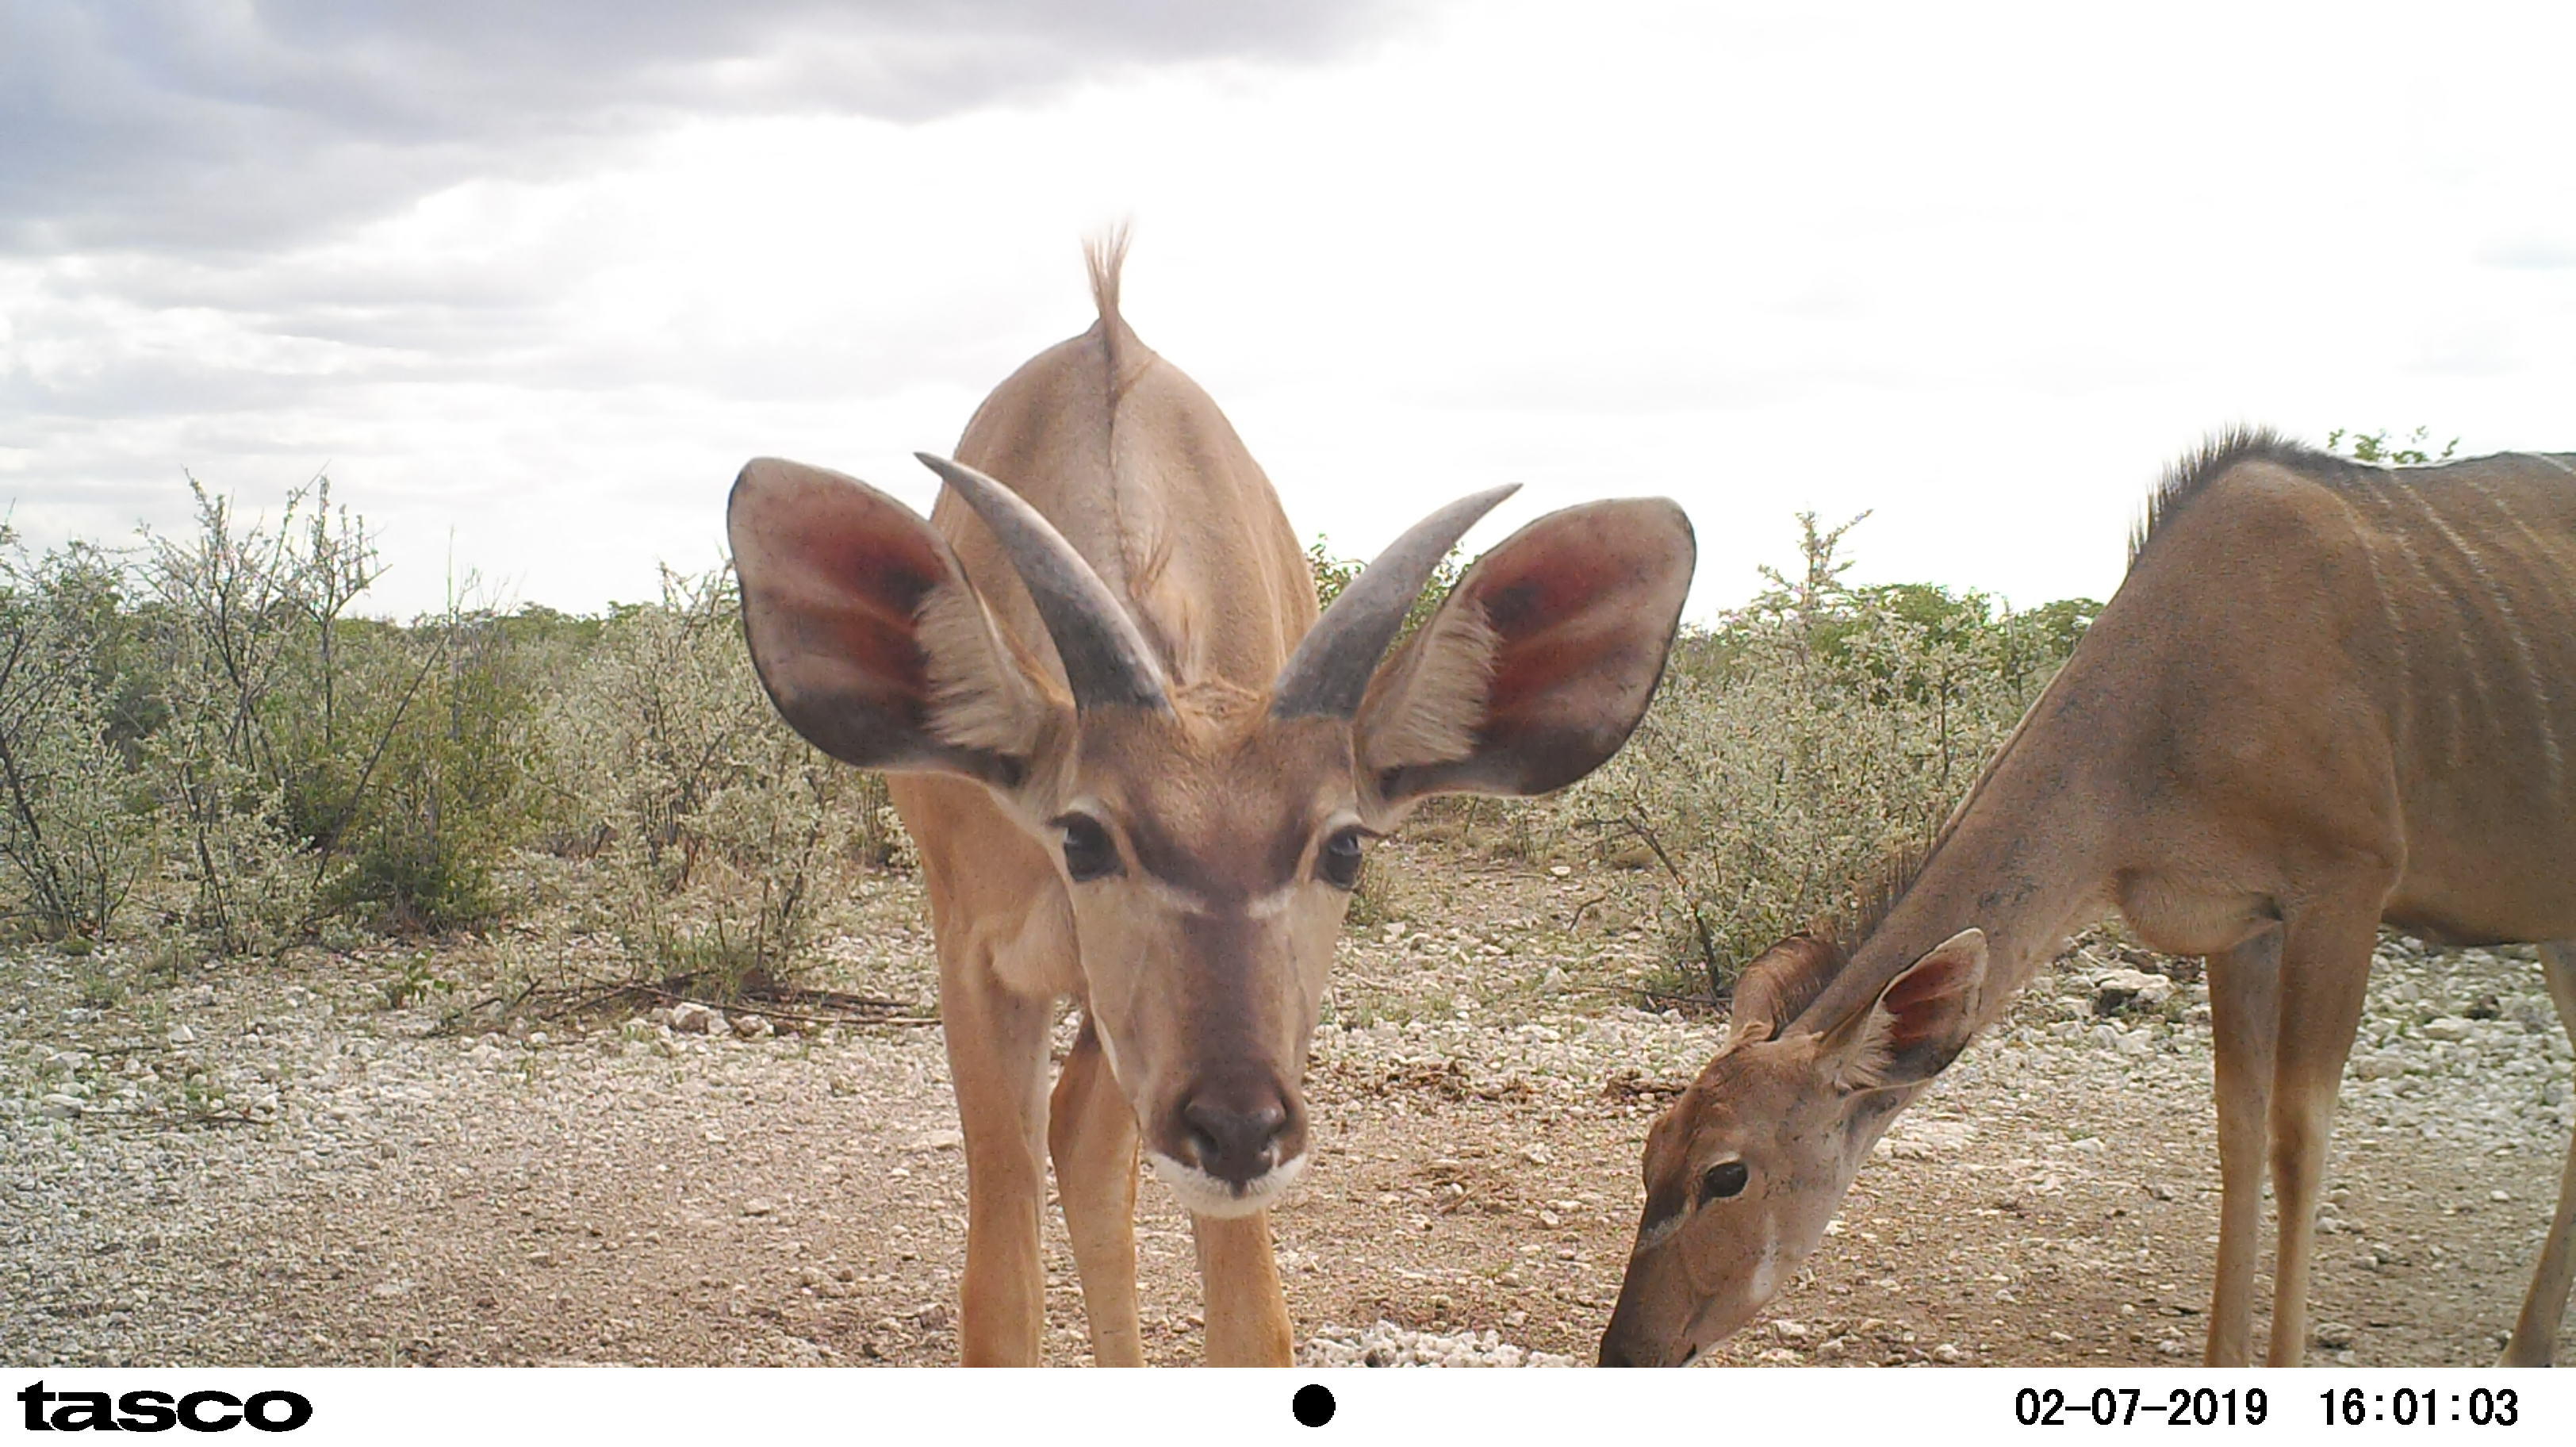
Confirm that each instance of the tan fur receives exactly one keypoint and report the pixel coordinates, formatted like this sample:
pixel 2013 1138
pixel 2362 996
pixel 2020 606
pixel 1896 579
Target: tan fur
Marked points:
pixel 1214 707
pixel 1175 858
pixel 1779 983
pixel 975 701
pixel 1431 697
pixel 1105 257
pixel 1868 1065
pixel 1096 432
pixel 2327 696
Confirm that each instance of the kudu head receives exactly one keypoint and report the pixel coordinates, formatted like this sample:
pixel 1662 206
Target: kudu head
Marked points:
pixel 1208 835
pixel 1745 1170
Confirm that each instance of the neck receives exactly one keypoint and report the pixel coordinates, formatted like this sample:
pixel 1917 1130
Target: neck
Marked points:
pixel 2025 860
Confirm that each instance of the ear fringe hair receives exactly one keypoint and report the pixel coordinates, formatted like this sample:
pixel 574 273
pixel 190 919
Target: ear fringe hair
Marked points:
pixel 1433 699
pixel 1868 1067
pixel 978 698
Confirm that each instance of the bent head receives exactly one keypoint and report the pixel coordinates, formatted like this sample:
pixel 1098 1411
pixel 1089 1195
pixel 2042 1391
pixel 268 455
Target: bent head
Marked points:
pixel 1207 834
pixel 1746 1169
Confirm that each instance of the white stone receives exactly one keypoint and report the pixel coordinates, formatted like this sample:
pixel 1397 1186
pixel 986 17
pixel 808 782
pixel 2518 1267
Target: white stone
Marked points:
pixel 2126 989
pixel 1923 1139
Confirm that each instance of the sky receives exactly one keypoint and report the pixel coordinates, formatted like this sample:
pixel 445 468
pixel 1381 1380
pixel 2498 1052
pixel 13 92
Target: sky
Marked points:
pixel 530 283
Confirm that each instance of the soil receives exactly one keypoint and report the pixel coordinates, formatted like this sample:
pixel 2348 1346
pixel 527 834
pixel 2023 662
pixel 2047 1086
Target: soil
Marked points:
pixel 276 1163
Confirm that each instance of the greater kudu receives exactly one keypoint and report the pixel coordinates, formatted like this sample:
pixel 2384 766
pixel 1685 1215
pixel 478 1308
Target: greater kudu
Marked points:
pixel 2327 695
pixel 1140 772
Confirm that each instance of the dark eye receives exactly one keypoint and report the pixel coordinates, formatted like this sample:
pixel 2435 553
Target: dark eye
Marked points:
pixel 1339 862
pixel 1088 854
pixel 1722 1180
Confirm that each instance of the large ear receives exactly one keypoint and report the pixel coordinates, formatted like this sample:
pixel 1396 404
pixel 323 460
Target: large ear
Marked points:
pixel 1780 982
pixel 867 635
pixel 1918 1024
pixel 1540 662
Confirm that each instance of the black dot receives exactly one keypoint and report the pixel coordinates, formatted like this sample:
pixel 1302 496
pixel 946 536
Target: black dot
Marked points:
pixel 1313 1404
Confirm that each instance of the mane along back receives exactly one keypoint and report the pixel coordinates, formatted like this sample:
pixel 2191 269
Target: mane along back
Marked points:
pixel 2186 480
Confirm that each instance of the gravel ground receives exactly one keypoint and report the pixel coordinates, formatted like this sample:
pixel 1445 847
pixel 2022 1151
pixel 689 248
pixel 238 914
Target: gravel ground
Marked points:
pixel 269 1163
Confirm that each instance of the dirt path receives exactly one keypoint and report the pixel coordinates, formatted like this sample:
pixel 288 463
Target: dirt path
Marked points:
pixel 273 1166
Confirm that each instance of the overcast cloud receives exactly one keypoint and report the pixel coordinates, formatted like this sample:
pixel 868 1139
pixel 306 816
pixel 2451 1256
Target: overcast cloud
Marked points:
pixel 216 129
pixel 533 281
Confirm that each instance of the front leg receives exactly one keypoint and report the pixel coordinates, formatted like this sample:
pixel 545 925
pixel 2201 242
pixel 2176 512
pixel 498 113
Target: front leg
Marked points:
pixel 2535 1332
pixel 1247 1312
pixel 2325 967
pixel 1092 1131
pixel 1006 951
pixel 2244 1010
pixel 997 1056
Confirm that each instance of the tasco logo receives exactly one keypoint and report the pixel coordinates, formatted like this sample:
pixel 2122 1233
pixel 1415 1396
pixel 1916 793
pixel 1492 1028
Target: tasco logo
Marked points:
pixel 149 1411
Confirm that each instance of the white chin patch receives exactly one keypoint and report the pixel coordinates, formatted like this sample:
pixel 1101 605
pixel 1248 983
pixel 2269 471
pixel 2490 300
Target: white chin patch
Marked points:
pixel 1206 1195
pixel 1766 1272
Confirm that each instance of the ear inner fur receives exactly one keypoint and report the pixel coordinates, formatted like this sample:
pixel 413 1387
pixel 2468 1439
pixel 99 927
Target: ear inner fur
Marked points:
pixel 1549 640
pixel 980 695
pixel 1335 663
pixel 1581 606
pixel 1906 1034
pixel 1427 703
pixel 835 576
pixel 1912 999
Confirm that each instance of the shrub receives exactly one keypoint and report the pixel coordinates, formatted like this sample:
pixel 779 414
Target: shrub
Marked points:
pixel 209 703
pixel 309 763
pixel 445 790
pixel 1333 574
pixel 2384 449
pixel 73 844
pixel 1795 748
pixel 721 831
pixel 230 837
pixel 249 762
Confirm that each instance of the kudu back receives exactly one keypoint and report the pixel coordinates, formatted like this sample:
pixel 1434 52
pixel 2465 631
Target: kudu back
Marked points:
pixel 1142 773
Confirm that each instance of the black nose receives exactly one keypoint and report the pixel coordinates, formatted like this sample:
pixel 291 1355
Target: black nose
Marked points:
pixel 1235 1132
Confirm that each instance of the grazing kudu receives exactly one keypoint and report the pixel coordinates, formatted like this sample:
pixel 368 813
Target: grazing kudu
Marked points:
pixel 2326 696
pixel 1141 773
